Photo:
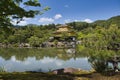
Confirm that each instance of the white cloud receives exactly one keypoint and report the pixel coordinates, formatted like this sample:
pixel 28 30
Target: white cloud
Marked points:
pixel 27 18
pixel 57 16
pixel 67 6
pixel 22 23
pixel 67 20
pixel 88 20
pixel 46 20
pixel 76 20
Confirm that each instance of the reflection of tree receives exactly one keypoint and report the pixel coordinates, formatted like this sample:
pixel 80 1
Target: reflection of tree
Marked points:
pixel 22 54
pixel 4 54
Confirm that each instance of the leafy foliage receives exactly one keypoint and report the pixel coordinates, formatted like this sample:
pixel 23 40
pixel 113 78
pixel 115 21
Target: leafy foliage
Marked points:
pixel 102 44
pixel 12 9
pixel 33 34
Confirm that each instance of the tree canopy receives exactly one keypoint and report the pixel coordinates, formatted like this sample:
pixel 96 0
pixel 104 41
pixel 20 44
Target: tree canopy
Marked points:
pixel 16 9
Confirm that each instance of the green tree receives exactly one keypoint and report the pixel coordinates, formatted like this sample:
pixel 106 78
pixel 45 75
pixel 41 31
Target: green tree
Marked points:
pixel 102 43
pixel 12 9
pixel 34 41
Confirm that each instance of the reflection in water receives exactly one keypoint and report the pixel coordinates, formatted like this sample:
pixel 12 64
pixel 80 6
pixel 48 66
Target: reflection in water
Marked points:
pixel 40 60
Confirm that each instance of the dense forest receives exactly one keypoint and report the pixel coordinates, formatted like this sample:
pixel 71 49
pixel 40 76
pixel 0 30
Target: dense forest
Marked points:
pixel 101 42
pixel 32 34
pixel 36 34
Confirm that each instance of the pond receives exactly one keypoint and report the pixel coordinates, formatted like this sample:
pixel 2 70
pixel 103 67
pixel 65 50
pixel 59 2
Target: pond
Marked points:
pixel 24 59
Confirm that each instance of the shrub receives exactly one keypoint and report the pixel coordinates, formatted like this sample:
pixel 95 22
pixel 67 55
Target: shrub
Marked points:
pixel 99 66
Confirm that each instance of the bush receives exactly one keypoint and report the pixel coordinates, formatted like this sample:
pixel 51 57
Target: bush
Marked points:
pixel 99 66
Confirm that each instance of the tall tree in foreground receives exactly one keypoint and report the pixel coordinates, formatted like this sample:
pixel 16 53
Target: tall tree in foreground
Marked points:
pixel 16 9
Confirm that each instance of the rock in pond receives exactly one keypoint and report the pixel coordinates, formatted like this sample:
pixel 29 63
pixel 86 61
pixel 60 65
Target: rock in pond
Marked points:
pixel 65 71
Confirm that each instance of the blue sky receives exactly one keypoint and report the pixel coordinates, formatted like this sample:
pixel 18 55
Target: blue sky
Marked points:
pixel 63 11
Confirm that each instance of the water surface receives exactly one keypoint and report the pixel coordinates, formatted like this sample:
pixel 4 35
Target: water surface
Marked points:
pixel 20 60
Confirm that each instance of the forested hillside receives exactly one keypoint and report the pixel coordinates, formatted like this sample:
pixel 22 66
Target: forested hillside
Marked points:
pixel 103 23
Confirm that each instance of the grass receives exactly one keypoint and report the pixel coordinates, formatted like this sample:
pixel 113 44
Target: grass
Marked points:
pixel 50 76
pixel 33 76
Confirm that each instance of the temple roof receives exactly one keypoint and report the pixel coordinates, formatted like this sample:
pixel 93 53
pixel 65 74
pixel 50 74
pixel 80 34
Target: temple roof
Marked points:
pixel 63 26
pixel 64 29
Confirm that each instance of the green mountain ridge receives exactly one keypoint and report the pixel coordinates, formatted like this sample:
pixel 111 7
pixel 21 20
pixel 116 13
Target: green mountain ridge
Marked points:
pixel 103 23
pixel 108 22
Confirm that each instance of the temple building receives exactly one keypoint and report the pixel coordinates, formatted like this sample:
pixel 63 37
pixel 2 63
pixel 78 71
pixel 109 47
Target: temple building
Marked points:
pixel 64 36
pixel 64 33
